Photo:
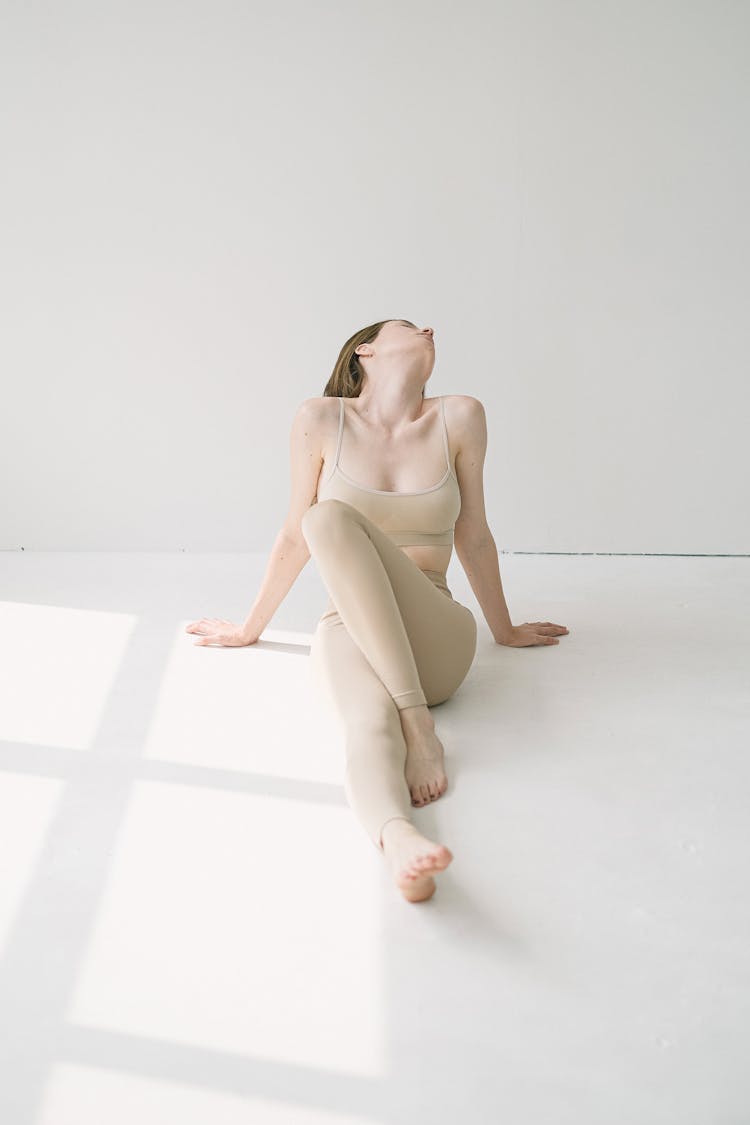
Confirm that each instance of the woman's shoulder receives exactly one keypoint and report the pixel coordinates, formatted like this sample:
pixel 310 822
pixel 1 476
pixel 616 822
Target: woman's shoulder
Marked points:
pixel 462 402
pixel 322 403
pixel 466 421
pixel 317 415
pixel 319 406
pixel 462 411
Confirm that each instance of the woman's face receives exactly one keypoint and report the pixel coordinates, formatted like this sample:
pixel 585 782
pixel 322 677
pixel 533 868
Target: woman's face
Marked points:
pixel 401 338
pixel 401 329
pixel 400 344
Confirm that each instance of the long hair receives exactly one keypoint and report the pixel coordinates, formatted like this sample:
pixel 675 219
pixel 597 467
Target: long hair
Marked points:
pixel 348 375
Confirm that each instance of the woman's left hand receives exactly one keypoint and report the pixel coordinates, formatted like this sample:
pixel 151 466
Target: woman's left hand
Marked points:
pixel 533 633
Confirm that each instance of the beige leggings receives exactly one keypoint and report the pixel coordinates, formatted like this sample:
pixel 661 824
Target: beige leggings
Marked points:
pixel 392 636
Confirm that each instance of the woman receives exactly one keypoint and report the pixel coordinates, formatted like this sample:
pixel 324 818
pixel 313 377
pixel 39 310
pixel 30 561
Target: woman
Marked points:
pixel 392 641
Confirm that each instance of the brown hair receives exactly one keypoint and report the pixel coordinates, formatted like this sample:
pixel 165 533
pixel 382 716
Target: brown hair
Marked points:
pixel 347 376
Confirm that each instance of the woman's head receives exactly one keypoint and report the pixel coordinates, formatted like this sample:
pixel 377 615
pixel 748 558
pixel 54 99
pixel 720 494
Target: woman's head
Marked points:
pixel 389 342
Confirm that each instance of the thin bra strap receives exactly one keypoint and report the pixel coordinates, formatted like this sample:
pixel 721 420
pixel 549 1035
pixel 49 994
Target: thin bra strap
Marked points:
pixel 341 430
pixel 445 432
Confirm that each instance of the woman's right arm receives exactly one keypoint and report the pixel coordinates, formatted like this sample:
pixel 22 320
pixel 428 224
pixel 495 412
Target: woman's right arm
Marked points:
pixel 290 552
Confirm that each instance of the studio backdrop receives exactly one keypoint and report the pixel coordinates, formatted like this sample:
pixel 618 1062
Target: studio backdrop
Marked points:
pixel 200 202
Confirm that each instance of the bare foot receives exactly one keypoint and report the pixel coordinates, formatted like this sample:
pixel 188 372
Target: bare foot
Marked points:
pixel 413 858
pixel 425 757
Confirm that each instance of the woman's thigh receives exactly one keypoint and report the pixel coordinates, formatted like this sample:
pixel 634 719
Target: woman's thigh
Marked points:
pixel 443 637
pixel 442 632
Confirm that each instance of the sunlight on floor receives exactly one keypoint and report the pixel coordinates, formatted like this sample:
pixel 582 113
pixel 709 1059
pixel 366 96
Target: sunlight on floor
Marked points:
pixel 231 882
pixel 195 928
pixel 240 708
pixel 58 672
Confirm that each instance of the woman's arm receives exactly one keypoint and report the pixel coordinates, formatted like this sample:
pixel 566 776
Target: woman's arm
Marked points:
pixel 290 551
pixel 288 557
pixel 482 568
pixel 473 540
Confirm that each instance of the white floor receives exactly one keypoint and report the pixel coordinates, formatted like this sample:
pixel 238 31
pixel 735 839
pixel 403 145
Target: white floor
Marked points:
pixel 194 928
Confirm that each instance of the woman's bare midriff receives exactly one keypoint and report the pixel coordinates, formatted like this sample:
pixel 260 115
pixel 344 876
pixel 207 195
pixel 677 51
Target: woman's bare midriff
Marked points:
pixel 426 558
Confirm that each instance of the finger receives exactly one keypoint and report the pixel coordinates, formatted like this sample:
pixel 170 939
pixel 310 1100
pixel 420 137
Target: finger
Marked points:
pixel 545 640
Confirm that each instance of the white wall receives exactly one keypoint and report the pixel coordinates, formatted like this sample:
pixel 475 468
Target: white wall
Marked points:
pixel 200 201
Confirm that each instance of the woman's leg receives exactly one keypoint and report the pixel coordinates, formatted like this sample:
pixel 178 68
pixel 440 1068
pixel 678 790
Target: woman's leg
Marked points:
pixel 375 749
pixel 418 640
pixel 367 573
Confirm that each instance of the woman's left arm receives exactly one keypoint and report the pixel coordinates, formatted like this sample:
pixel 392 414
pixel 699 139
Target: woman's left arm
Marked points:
pixel 473 540
pixel 482 567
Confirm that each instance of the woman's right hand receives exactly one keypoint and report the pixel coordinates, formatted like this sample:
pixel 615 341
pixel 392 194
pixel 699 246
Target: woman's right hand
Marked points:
pixel 217 631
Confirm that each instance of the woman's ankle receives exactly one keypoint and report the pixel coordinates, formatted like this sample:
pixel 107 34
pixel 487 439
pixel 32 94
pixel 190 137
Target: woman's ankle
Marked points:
pixel 416 722
pixel 417 717
pixel 394 826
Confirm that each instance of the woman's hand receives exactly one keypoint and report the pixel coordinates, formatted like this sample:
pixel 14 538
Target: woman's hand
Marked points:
pixel 533 633
pixel 217 631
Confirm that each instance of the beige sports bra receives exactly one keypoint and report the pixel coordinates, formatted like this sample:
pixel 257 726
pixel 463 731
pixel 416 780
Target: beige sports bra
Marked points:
pixel 425 517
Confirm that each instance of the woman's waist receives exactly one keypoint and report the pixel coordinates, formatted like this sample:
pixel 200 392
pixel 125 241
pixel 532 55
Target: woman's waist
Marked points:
pixel 437 577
